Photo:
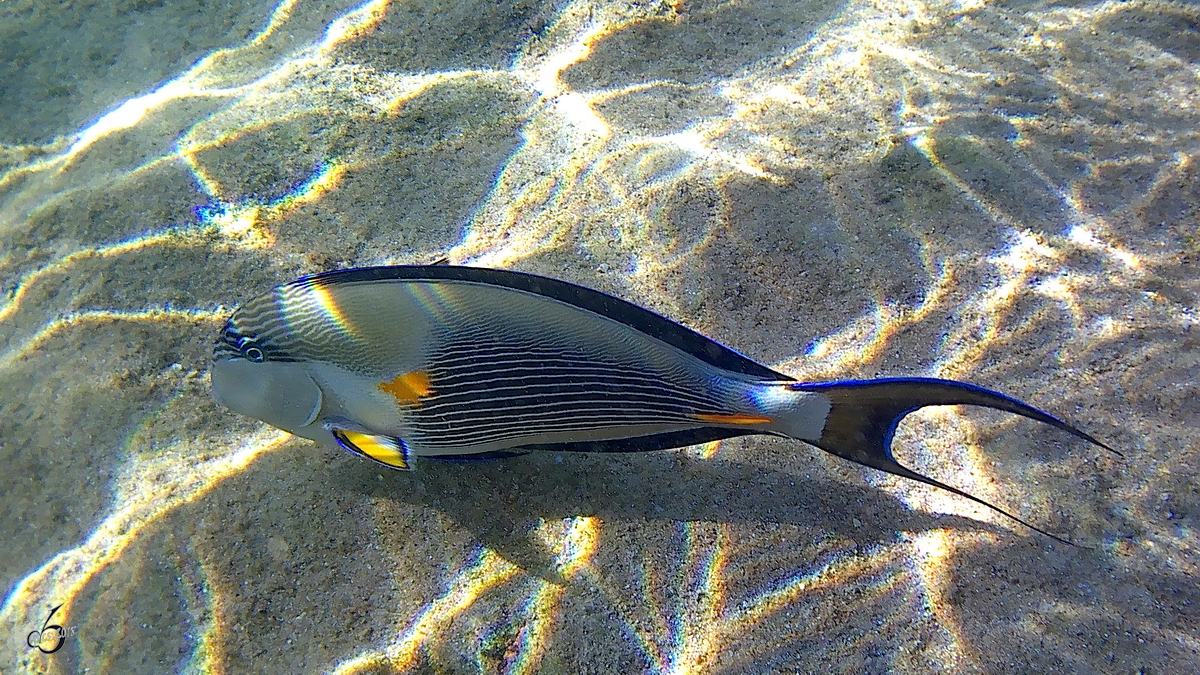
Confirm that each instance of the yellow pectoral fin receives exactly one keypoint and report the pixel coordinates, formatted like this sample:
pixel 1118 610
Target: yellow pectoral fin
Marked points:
pixel 391 452
pixel 408 388
pixel 735 419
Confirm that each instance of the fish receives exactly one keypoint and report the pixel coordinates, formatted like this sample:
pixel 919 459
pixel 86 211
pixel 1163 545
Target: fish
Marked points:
pixel 445 362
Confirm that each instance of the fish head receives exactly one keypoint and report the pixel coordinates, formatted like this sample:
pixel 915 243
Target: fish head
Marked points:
pixel 252 378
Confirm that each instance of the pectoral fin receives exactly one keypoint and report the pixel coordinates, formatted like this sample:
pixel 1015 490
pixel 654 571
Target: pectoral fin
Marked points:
pixel 391 452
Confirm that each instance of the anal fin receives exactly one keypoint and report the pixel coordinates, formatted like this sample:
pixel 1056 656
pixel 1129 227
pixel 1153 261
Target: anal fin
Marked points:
pixel 478 456
pixel 734 418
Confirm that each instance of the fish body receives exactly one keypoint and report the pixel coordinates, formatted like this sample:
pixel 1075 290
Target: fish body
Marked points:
pixel 395 363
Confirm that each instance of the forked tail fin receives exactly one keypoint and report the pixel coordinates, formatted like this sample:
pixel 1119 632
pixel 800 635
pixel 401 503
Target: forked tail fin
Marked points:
pixel 864 414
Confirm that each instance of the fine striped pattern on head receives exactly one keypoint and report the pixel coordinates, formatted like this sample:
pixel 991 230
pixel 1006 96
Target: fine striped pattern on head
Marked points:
pixel 266 321
pixel 304 321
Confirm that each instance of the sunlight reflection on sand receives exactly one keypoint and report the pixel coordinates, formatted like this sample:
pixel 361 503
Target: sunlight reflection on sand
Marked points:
pixel 962 226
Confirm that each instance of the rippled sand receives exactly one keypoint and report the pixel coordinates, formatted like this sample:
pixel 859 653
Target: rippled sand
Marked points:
pixel 1004 193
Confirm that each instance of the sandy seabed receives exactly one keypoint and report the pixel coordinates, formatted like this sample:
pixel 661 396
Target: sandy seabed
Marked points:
pixel 1004 193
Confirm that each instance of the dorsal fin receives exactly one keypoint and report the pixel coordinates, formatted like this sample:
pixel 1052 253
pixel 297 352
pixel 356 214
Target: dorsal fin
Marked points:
pixel 621 311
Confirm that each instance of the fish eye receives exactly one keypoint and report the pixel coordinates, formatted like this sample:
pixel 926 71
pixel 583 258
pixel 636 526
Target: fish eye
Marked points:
pixel 251 351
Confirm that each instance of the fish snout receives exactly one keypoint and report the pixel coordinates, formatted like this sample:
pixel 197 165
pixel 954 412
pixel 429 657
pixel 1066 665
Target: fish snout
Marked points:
pixel 283 395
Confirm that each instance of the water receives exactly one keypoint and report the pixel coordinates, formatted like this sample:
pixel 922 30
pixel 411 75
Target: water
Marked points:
pixel 1003 193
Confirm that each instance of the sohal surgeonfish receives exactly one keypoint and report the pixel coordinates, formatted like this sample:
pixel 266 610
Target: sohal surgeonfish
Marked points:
pixel 445 362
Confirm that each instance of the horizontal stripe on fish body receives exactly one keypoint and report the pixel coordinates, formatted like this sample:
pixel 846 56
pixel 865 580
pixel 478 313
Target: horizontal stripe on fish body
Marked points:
pixel 392 363
pixel 499 367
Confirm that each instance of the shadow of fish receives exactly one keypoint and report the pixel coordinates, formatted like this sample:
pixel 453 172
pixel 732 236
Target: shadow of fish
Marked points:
pixel 527 492
pixel 456 363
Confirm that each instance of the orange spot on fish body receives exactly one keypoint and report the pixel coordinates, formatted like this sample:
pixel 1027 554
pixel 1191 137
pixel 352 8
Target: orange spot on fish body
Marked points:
pixel 408 388
pixel 734 419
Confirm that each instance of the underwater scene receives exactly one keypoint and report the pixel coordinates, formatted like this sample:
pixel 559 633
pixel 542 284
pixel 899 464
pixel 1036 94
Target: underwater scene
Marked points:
pixel 999 192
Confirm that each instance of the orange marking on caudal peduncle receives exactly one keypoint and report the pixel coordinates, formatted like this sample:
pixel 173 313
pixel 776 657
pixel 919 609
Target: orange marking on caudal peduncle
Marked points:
pixel 408 388
pixel 734 419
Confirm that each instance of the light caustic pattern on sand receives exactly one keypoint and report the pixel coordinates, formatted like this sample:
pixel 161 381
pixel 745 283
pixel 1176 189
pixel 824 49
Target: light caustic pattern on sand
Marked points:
pixel 839 93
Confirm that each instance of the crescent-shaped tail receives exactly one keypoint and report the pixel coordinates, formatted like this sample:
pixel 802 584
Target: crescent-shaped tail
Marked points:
pixel 863 416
